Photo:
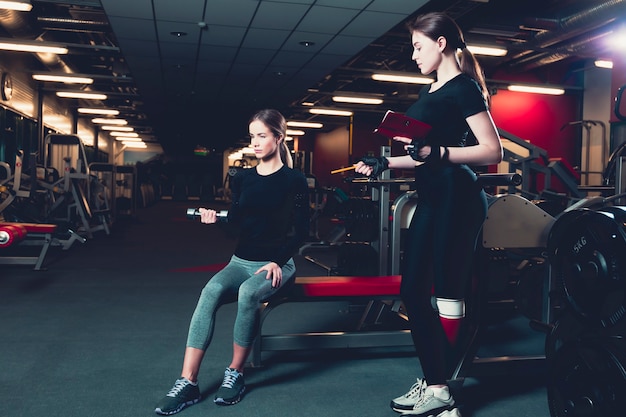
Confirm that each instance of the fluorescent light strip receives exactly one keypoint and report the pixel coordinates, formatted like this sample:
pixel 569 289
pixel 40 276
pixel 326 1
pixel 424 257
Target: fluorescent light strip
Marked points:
pixel 63 79
pixel 487 50
pixel 20 6
pixel 294 132
pixel 104 112
pixel 87 96
pixel 536 90
pixel 330 112
pixel 357 100
pixel 140 145
pixel 117 128
pixel 602 63
pixel 124 134
pixel 407 79
pixel 109 121
pixel 33 47
pixel 311 125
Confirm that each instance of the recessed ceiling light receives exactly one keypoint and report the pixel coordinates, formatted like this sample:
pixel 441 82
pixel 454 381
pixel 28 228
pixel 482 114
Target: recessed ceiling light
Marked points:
pixel 63 79
pixel 178 34
pixel 536 89
pixel 306 44
pixel 79 94
pixel 20 6
pixel 331 112
pixel 313 125
pixel 357 100
pixel 108 112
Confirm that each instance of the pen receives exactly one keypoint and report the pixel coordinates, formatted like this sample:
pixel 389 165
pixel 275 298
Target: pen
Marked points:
pixel 337 171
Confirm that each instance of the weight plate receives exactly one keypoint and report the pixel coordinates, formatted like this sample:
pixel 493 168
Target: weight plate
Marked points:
pixel 588 263
pixel 587 378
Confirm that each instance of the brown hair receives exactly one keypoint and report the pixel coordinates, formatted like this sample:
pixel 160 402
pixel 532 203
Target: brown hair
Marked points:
pixel 277 124
pixel 436 24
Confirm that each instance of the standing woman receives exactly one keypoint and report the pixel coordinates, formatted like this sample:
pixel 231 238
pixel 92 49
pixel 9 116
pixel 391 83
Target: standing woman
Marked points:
pixel 451 206
pixel 270 208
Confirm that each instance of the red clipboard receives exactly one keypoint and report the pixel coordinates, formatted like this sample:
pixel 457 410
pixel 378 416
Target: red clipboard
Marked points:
pixel 397 124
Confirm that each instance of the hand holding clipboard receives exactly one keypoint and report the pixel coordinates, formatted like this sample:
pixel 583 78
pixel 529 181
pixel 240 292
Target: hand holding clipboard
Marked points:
pixel 397 124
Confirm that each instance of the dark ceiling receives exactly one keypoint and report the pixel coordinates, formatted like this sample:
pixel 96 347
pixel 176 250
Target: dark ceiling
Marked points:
pixel 190 72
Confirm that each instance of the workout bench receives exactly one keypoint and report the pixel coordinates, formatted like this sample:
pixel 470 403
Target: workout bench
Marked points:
pixel 332 288
pixel 31 234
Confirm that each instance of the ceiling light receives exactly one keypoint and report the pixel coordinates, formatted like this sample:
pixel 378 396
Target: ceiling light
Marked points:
pixel 135 144
pixel 603 63
pixel 124 134
pixel 104 112
pixel 537 90
pixel 118 128
pixel 33 46
pixel 20 6
pixel 357 100
pixel 308 104
pixel 294 132
pixel 311 125
pixel 331 112
pixel 178 34
pixel 408 79
pixel 109 121
pixel 123 139
pixel 77 94
pixel 62 79
pixel 487 50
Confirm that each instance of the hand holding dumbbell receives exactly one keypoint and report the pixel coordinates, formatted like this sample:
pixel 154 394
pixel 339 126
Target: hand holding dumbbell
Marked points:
pixel 207 215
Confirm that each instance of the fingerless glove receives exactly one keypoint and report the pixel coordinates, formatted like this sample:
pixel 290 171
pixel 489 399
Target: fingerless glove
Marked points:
pixel 378 164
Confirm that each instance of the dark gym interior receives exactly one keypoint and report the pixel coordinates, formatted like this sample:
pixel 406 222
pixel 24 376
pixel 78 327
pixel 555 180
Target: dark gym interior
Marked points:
pixel 101 265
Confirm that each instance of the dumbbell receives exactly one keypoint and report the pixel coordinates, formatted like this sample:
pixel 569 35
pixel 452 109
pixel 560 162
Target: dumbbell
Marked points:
pixel 194 213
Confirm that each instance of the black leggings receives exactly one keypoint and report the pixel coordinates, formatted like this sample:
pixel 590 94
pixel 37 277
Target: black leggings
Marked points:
pixel 438 258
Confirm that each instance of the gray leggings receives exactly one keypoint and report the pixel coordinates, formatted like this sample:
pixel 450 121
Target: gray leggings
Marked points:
pixel 238 280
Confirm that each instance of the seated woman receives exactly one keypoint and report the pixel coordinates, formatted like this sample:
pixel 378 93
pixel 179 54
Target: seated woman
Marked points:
pixel 270 207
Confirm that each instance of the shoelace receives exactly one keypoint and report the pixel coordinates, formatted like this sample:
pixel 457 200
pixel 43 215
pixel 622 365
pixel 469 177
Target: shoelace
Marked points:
pixel 179 385
pixel 230 377
pixel 423 398
pixel 415 390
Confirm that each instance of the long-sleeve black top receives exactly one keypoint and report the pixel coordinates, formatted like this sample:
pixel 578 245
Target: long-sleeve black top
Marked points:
pixel 271 212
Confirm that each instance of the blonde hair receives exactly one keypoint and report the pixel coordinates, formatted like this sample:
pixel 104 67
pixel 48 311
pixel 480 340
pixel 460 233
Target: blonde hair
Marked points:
pixel 276 123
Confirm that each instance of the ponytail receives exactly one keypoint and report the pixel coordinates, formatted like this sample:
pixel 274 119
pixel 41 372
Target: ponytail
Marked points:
pixel 285 154
pixel 470 66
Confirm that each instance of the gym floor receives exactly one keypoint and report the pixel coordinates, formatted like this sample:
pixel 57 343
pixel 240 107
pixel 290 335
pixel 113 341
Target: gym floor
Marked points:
pixel 101 332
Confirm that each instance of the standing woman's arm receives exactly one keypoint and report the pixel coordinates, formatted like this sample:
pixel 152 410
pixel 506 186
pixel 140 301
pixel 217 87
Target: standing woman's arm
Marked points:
pixel 488 151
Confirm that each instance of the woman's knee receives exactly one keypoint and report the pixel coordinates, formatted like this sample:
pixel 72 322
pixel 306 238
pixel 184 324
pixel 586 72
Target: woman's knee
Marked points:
pixel 212 292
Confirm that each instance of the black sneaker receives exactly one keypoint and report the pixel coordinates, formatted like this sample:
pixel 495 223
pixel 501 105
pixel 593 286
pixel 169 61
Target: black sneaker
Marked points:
pixel 182 394
pixel 232 388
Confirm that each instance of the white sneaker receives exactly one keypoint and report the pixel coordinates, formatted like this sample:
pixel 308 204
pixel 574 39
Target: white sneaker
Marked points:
pixel 406 401
pixel 432 402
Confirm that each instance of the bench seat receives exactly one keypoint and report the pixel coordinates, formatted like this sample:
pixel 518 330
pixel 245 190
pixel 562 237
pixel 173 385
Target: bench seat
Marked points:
pixel 368 289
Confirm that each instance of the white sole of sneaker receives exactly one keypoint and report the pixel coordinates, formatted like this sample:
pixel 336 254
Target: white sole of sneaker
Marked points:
pixel 221 401
pixel 178 410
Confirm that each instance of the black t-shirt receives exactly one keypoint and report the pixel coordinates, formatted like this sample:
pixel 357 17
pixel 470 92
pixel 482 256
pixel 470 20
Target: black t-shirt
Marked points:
pixel 271 212
pixel 446 109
